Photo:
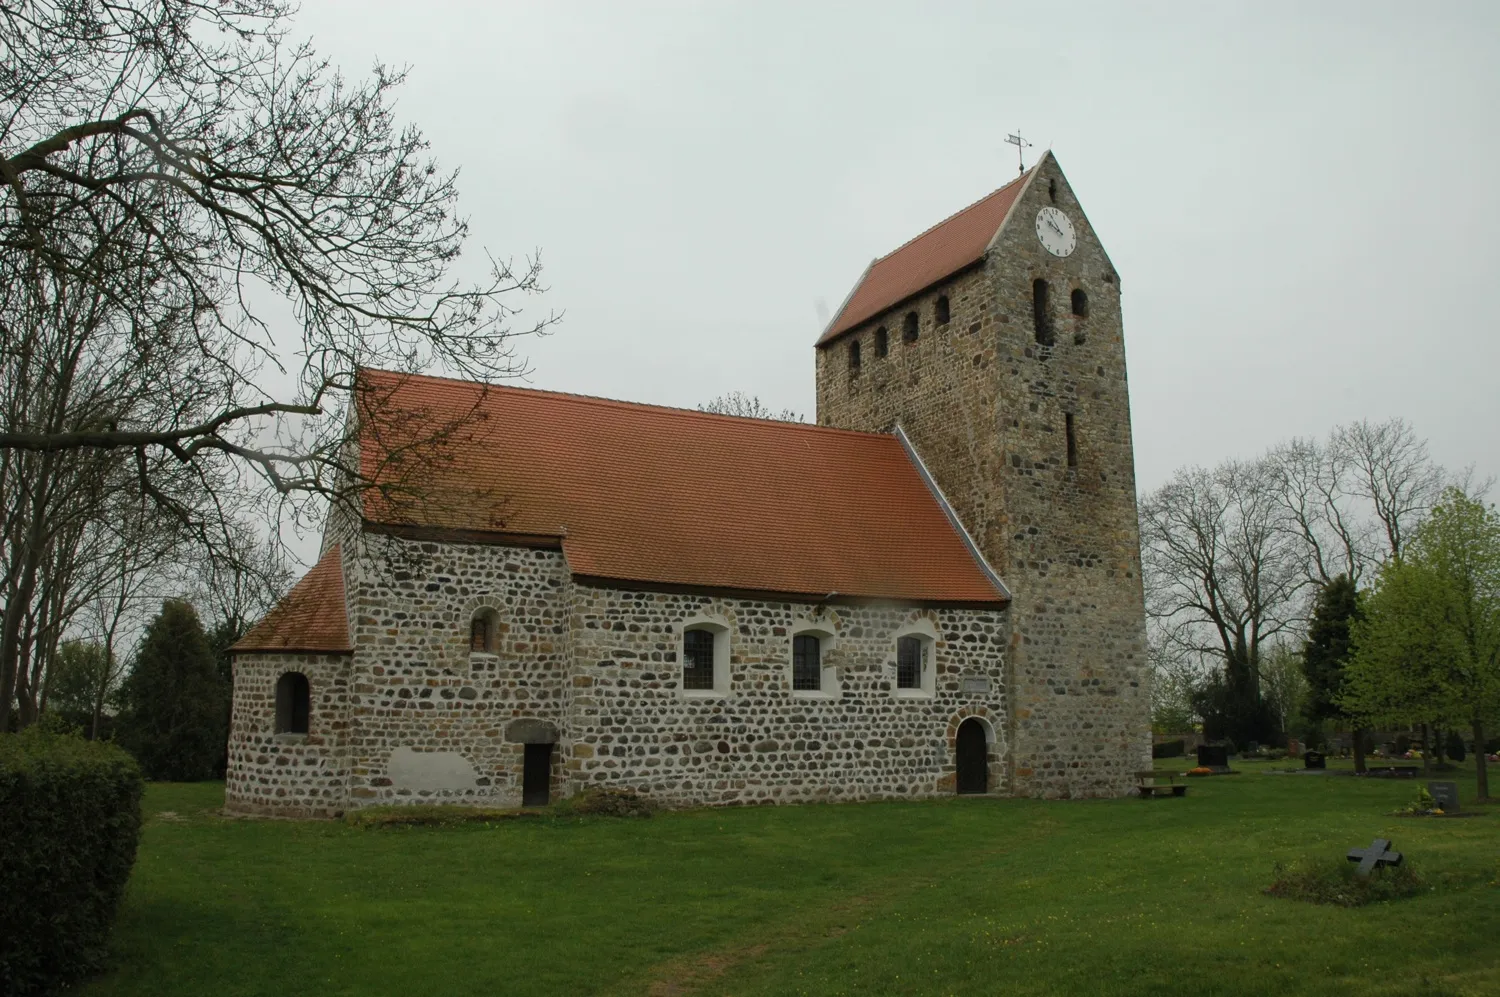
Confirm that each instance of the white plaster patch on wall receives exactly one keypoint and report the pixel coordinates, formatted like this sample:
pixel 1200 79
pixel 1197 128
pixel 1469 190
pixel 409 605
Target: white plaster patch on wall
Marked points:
pixel 430 771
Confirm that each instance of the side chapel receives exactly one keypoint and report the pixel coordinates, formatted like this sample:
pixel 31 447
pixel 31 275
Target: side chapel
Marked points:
pixel 935 589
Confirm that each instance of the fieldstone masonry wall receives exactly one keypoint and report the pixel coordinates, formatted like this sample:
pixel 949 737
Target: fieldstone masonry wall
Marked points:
pixel 763 743
pixel 986 406
pixel 421 718
pixel 290 775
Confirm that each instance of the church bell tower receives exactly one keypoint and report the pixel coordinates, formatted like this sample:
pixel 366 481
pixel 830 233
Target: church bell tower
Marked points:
pixel 994 340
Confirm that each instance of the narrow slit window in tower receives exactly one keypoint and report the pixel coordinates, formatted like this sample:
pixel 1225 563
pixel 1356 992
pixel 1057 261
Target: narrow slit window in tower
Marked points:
pixel 909 328
pixel 854 355
pixel 882 342
pixel 1072 440
pixel 1041 312
pixel 940 310
pixel 1052 191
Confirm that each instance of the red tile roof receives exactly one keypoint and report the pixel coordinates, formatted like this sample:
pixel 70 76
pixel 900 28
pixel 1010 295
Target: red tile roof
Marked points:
pixel 311 617
pixel 639 493
pixel 942 250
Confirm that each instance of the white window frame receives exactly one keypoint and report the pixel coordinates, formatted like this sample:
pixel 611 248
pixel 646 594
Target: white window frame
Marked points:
pixel 924 631
pixel 828 679
pixel 721 630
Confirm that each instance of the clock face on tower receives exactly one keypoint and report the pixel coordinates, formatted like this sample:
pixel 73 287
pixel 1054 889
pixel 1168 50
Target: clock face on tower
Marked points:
pixel 1055 232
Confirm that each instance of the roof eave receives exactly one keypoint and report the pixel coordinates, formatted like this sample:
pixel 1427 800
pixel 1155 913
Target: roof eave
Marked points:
pixel 959 271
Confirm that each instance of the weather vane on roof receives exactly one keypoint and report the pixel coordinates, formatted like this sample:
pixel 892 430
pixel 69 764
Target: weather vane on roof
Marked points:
pixel 1021 145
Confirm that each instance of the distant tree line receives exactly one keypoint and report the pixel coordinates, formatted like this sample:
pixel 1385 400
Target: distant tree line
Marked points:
pixel 1339 581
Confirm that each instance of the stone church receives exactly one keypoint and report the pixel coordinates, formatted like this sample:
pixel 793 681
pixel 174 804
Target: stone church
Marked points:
pixel 935 589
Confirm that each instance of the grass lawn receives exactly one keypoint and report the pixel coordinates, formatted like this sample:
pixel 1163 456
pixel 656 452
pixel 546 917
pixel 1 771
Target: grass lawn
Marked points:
pixel 961 896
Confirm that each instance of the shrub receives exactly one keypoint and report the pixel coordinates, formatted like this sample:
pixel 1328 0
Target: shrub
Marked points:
pixel 1169 749
pixel 70 815
pixel 431 815
pixel 599 802
pixel 1333 881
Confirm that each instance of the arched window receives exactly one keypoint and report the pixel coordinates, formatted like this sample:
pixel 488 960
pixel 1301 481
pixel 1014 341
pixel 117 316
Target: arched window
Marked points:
pixel 1080 302
pixel 940 310
pixel 916 670
pixel 1041 312
pixel 484 631
pixel 293 703
pixel 909 663
pixel 854 355
pixel 882 342
pixel 698 659
pixel 909 328
pixel 807 662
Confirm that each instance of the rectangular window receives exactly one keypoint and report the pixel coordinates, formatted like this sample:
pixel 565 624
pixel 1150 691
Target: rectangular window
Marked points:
pixel 909 663
pixel 807 668
pixel 698 659
pixel 1072 440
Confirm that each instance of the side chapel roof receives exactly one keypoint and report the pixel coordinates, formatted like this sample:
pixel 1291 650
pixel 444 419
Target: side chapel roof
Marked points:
pixel 312 617
pixel 948 247
pixel 669 497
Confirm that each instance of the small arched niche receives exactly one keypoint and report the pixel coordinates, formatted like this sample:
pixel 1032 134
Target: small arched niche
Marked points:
pixel 293 703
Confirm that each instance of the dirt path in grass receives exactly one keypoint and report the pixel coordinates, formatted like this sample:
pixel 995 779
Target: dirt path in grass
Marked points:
pixel 809 928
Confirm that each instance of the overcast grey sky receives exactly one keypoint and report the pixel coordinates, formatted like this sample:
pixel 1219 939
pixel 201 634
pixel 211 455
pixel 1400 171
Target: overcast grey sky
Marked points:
pixel 1300 198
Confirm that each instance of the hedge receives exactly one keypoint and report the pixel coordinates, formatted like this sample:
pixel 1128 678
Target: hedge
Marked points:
pixel 70 815
pixel 1169 749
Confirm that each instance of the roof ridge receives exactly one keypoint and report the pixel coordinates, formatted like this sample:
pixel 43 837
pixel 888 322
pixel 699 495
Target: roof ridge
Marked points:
pixel 601 400
pixel 967 207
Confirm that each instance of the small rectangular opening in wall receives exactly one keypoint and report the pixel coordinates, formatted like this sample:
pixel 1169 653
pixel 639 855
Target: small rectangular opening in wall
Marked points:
pixel 1072 440
pixel 536 776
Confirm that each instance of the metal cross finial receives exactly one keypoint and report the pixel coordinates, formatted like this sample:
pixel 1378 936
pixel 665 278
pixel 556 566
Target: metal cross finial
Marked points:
pixel 1021 144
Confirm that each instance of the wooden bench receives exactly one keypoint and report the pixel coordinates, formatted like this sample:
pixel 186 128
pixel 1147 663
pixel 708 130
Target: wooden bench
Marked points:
pixel 1151 784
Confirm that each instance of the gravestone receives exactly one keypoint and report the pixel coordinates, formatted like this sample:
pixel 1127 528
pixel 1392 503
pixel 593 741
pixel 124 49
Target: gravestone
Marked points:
pixel 1293 747
pixel 1378 854
pixel 1314 760
pixel 1445 795
pixel 1213 756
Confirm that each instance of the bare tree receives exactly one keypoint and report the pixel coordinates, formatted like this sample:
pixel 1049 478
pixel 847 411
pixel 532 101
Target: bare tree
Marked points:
pixel 748 407
pixel 185 160
pixel 1312 481
pixel 1389 467
pixel 175 179
pixel 1224 575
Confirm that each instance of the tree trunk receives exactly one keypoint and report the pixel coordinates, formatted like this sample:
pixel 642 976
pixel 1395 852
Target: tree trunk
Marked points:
pixel 1426 755
pixel 1359 750
pixel 1481 770
pixel 1437 745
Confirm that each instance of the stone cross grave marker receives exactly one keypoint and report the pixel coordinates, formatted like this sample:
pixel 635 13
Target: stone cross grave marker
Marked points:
pixel 1377 854
pixel 1445 795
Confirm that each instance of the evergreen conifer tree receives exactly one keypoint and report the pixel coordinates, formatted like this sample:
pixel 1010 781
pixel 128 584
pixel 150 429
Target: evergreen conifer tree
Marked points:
pixel 173 718
pixel 1326 652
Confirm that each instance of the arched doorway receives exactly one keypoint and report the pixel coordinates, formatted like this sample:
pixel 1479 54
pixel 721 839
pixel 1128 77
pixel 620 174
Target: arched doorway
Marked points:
pixel 971 754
